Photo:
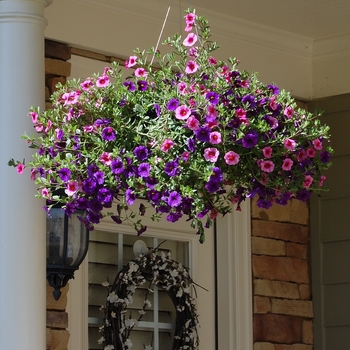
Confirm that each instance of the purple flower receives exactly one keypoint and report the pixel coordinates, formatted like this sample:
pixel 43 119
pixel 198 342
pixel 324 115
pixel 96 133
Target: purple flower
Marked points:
pixel 130 85
pixel 325 157
pixel 59 134
pixel 202 134
pixel 250 100
pixel 173 104
pixel 144 169
pixel 92 217
pixel 142 209
pixel 142 85
pixel 151 182
pixel 89 186
pixel 141 230
pixel 250 139
pixel 94 205
pixel 171 168
pixel 92 169
pixel 117 166
pixel 64 174
pixel 99 176
pixel 141 153
pixel 273 88
pixel 264 203
pixel 174 199
pixel 130 196
pixel 213 97
pixel 191 145
pixel 105 196
pixel 212 185
pixel 108 134
pixel 303 195
pixel 217 174
pixel 157 109
pixel 116 219
pixel 273 122
pixel 102 122
pixel 173 217
pixel 153 196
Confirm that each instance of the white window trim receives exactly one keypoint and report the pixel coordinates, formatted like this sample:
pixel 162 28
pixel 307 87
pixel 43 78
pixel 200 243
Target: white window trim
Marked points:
pixel 234 281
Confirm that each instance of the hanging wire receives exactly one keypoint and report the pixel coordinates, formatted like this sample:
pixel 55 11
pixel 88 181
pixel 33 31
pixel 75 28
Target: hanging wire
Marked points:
pixel 161 31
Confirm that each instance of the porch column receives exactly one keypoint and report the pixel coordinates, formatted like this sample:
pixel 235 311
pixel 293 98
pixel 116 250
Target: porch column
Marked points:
pixel 22 221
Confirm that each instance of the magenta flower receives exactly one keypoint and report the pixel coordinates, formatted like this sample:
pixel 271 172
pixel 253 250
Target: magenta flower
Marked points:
pixel 103 81
pixel 140 72
pixel 287 164
pixel 190 18
pixel 182 112
pixel 72 187
pixel 106 158
pixel 308 181
pixel 192 123
pixel 190 40
pixel 231 158
pixel 182 87
pixel 212 61
pixel 131 61
pixel 166 145
pixel 108 134
pixel 45 192
pixel 34 117
pixel 215 138
pixel 191 67
pixel 288 112
pixel 20 168
pixel 211 154
pixel 302 155
pixel 267 166
pixel 290 144
pixel 87 84
pixel 322 179
pixel 311 152
pixel 267 151
pixel 317 144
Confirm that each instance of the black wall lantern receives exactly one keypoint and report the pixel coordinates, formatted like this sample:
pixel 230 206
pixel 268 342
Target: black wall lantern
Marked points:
pixel 67 242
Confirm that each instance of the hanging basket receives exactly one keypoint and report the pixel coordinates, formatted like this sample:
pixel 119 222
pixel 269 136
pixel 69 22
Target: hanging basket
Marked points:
pixel 189 133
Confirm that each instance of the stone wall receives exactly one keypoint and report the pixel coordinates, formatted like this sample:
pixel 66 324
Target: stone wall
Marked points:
pixel 57 69
pixel 283 309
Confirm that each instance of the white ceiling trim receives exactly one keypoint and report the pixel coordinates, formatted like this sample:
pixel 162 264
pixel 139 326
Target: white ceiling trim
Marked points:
pixel 225 27
pixel 331 48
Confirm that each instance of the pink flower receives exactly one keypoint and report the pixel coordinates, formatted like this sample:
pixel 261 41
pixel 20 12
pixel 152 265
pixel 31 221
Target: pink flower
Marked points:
pixel 192 123
pixel 131 61
pixel 72 187
pixel 191 67
pixel 193 52
pixel 322 179
pixel 39 127
pixel 20 168
pixel 215 138
pixel 182 87
pixel 34 117
pixel 70 98
pixel 190 18
pixel 311 152
pixel 190 40
pixel 48 126
pixel 264 178
pixel 182 112
pixel 141 72
pixel 45 193
pixel 188 27
pixel 288 112
pixel 267 166
pixel 240 113
pixel 212 61
pixel 33 174
pixel 231 158
pixel 106 158
pixel 167 144
pixel 103 81
pixel 308 181
pixel 267 151
pixel 212 112
pixel 290 144
pixel 86 85
pixel 211 154
pixel 317 144
pixel 287 164
pixel 213 214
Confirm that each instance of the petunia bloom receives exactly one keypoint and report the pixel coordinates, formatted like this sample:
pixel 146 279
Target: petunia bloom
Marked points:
pixel 140 72
pixel 182 112
pixel 211 154
pixel 103 81
pixel 287 164
pixel 20 168
pixel 166 145
pixel 267 166
pixel 290 144
pixel 215 138
pixel 231 158
pixel 190 40
pixel 192 67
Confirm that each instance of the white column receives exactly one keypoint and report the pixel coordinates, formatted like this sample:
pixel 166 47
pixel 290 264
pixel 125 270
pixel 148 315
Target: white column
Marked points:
pixel 22 221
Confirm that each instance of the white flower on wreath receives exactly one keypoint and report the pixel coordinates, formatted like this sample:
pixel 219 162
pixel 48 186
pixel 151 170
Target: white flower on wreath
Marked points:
pixel 108 347
pixel 101 340
pixel 130 322
pixel 128 343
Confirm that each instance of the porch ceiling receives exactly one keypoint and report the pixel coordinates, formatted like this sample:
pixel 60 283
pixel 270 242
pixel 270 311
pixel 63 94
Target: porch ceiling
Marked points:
pixel 316 19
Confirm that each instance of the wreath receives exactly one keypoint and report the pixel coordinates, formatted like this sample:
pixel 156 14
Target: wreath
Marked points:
pixel 159 269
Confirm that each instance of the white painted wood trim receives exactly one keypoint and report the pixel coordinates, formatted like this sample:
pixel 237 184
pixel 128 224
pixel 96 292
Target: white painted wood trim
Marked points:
pixel 234 284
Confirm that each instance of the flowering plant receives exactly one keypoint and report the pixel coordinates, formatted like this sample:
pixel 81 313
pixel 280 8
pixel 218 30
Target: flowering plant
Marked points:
pixel 159 269
pixel 188 133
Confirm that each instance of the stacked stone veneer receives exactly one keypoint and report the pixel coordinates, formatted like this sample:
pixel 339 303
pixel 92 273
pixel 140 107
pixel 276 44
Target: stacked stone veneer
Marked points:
pixel 57 69
pixel 283 309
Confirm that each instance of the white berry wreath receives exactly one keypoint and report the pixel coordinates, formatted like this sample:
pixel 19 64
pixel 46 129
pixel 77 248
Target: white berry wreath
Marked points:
pixel 159 269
